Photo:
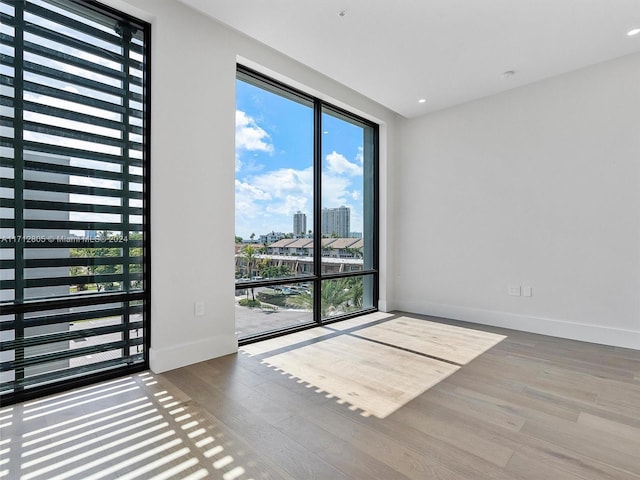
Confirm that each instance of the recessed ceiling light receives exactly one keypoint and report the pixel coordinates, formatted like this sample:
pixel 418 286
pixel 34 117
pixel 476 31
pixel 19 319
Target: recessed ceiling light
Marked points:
pixel 422 100
pixel 342 13
pixel 633 32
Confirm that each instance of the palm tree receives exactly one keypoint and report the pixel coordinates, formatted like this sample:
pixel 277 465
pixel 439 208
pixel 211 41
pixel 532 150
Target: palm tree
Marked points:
pixel 356 292
pixel 334 295
pixel 249 254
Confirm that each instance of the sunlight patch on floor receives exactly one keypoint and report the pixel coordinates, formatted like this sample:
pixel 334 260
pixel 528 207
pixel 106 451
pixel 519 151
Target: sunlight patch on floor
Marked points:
pixel 379 368
pixel 447 342
pixel 149 433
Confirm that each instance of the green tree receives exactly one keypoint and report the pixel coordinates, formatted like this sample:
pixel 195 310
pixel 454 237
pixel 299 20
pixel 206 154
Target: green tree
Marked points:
pixel 275 271
pixel 238 239
pixel 135 258
pixel 355 285
pixel 334 296
pixel 96 268
pixel 248 252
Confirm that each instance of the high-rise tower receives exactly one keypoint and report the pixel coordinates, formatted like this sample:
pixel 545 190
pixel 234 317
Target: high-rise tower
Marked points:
pixel 299 224
pixel 336 221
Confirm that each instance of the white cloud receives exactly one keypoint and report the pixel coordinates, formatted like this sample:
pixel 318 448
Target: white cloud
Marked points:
pixel 335 191
pixel 251 192
pixel 289 205
pixel 267 201
pixel 250 136
pixel 338 164
pixel 286 181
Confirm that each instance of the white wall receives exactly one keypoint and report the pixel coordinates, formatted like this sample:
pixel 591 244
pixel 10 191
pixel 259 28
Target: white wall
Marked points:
pixel 538 186
pixel 192 172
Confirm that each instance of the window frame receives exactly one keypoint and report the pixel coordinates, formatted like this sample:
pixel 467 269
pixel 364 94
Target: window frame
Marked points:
pixel 320 106
pixel 128 363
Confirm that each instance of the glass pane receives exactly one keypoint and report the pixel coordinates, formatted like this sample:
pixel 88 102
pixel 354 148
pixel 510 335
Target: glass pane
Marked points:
pixel 274 183
pixel 346 295
pixel 347 194
pixel 73 204
pixel 270 308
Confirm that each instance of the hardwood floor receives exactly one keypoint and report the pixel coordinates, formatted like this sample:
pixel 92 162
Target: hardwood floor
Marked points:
pixel 531 407
pixel 376 367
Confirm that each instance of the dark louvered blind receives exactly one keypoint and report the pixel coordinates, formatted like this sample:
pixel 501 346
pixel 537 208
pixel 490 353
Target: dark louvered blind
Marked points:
pixel 74 289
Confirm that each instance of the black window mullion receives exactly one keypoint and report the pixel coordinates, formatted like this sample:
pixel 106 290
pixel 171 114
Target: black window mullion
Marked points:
pixel 54 73
pixel 72 60
pixel 76 152
pixel 48 129
pixel 317 209
pixel 79 189
pixel 7 19
pixel 71 115
pixel 126 31
pixel 18 179
pixel 76 207
pixel 42 89
pixel 40 166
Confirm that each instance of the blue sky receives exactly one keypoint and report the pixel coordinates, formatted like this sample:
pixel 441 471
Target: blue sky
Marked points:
pixel 274 163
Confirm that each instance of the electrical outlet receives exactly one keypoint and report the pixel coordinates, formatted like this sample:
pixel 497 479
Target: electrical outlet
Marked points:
pixel 199 309
pixel 514 290
pixel 526 291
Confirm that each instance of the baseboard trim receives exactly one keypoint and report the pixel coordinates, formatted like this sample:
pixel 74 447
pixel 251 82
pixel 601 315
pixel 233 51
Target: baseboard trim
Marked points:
pixel 544 326
pixel 383 305
pixel 176 356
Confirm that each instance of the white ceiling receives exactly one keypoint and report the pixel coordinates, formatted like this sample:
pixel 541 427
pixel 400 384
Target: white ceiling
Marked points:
pixel 447 51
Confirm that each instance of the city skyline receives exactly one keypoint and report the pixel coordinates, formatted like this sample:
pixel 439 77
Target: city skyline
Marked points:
pixel 335 223
pixel 274 163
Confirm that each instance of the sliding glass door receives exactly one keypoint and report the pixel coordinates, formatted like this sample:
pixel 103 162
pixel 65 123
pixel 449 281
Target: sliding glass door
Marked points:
pixel 306 210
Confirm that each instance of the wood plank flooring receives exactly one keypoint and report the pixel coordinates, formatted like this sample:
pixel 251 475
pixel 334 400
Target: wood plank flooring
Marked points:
pixel 530 408
pixel 370 377
pixel 375 364
pixel 447 342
